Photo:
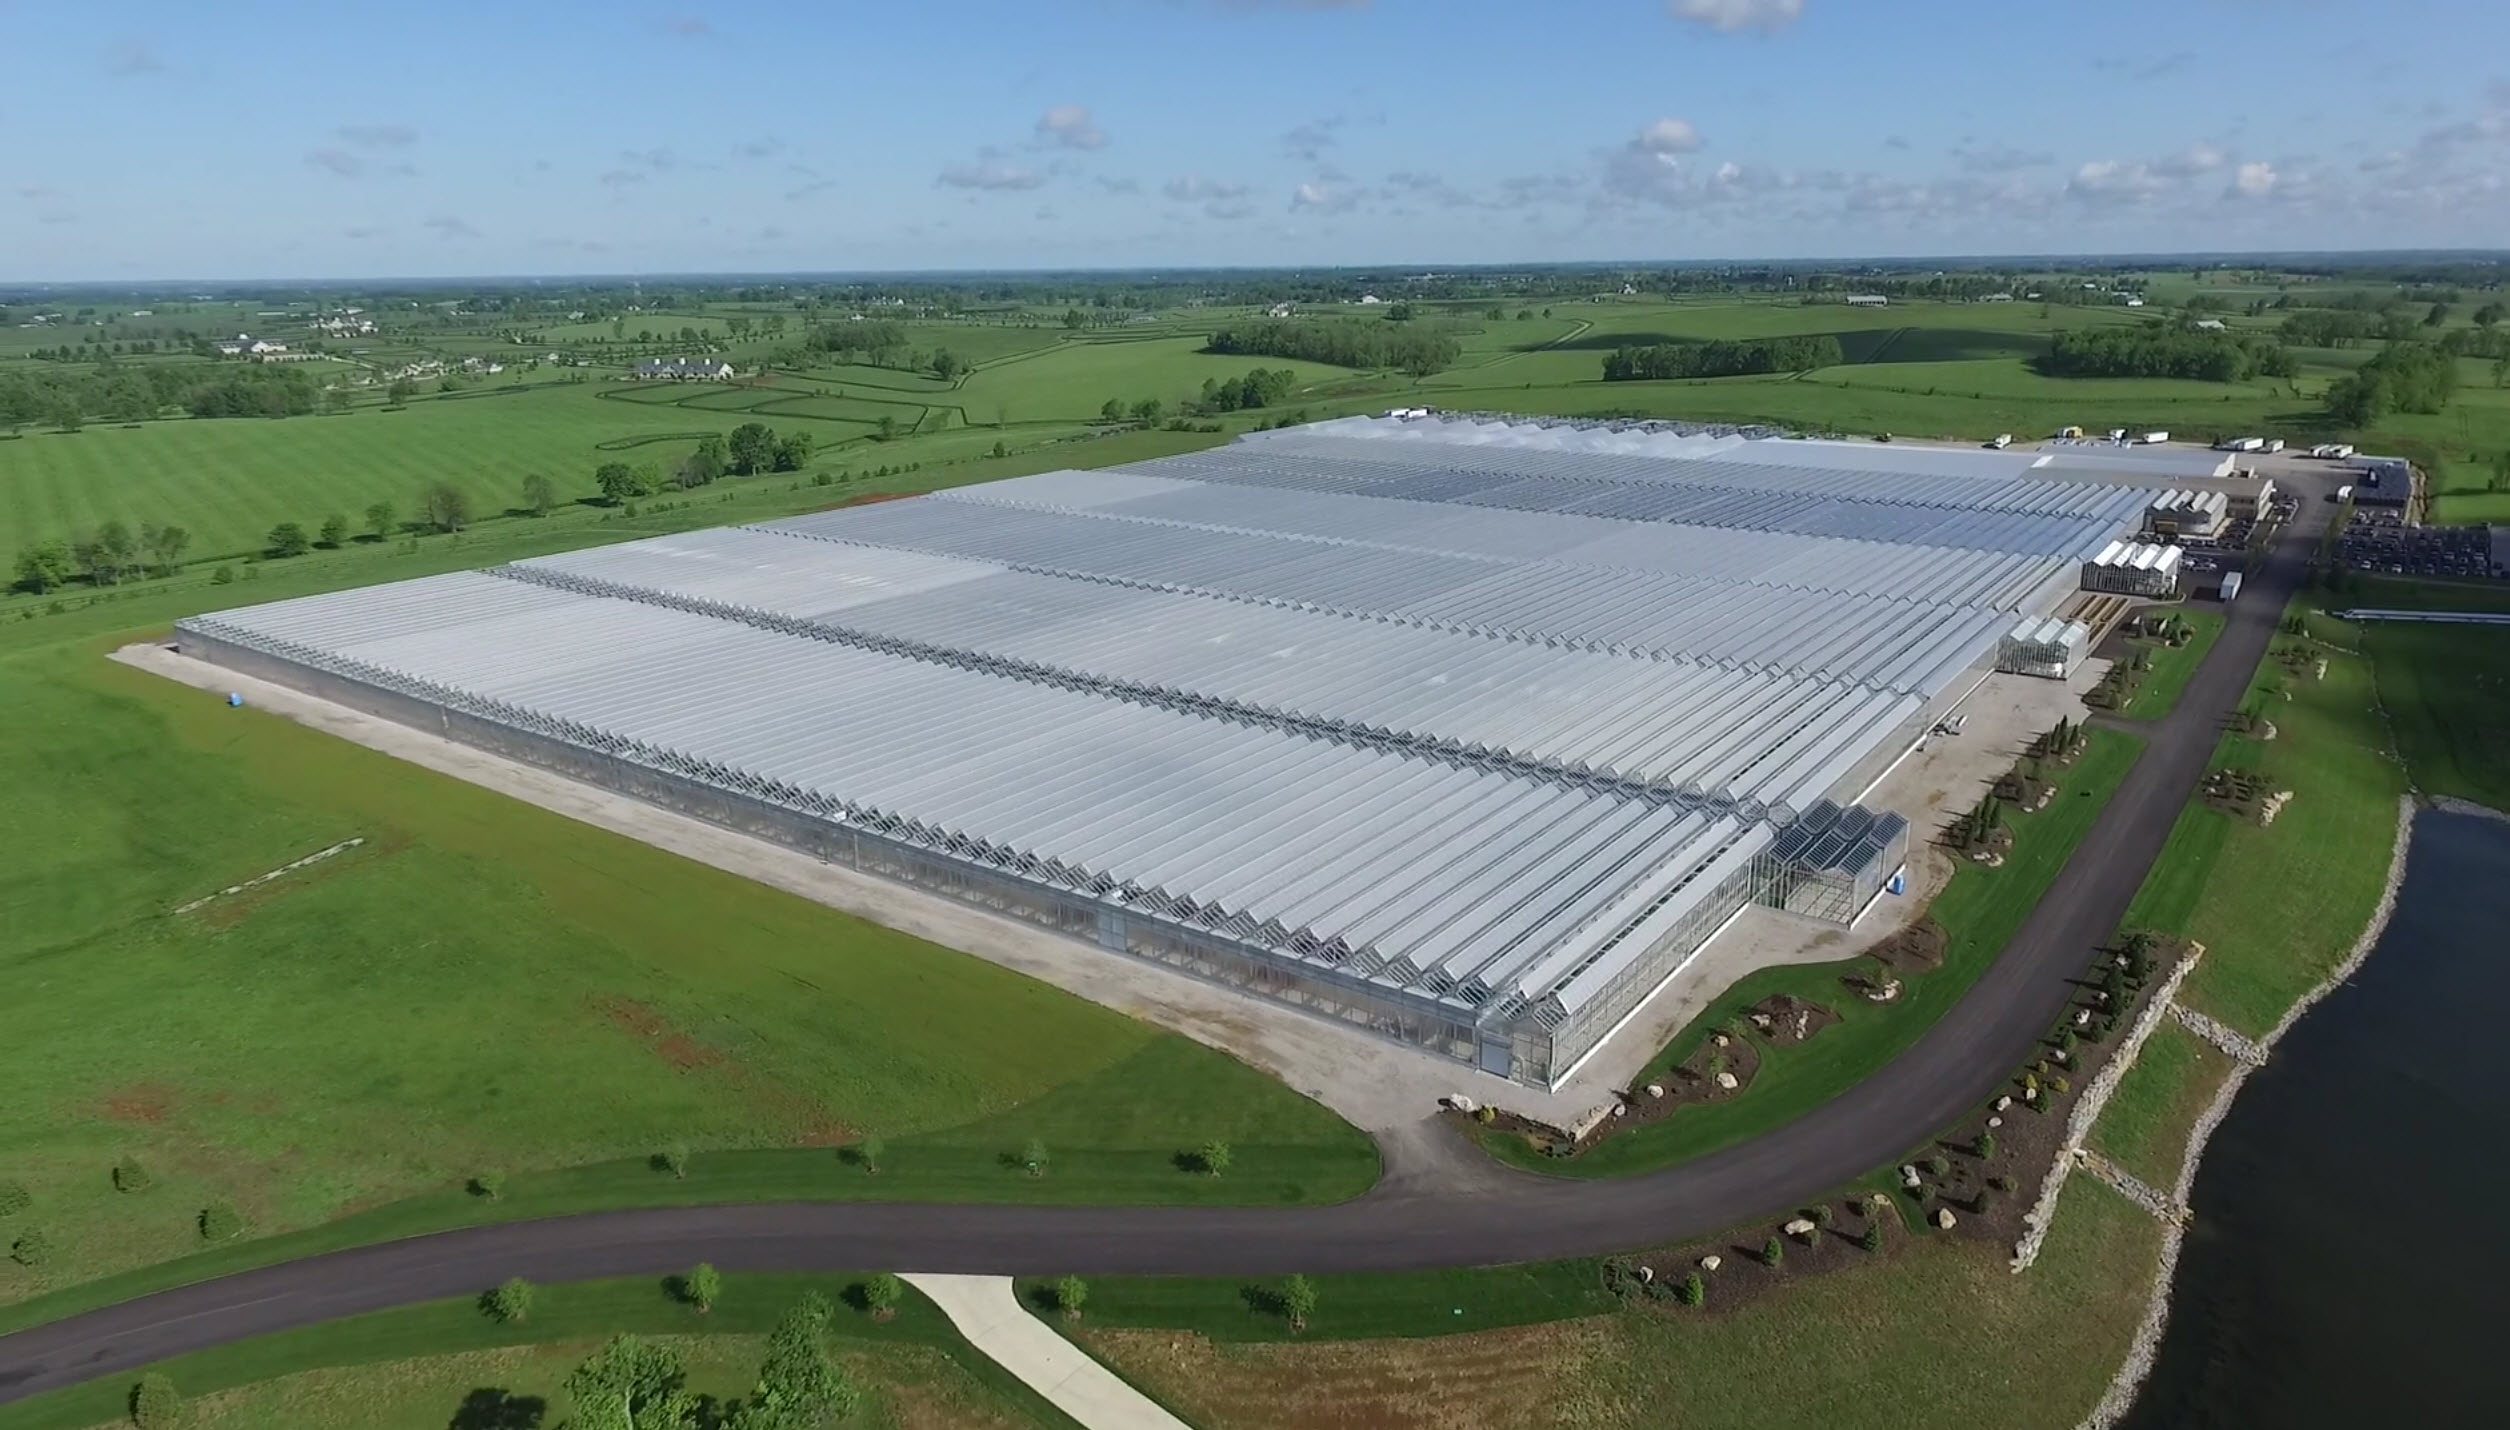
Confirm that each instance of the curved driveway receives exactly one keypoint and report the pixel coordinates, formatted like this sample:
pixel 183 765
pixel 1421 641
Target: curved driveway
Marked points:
pixel 1490 1215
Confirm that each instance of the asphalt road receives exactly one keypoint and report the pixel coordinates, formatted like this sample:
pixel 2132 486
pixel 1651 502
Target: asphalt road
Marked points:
pixel 1491 1215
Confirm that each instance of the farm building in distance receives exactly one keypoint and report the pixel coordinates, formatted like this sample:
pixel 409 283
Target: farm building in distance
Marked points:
pixel 1468 731
pixel 2133 568
pixel 684 370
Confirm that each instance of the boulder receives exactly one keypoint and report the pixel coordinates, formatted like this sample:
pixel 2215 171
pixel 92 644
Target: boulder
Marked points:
pixel 1711 1263
pixel 1801 1227
pixel 1910 1182
pixel 1995 1122
pixel 1723 1040
pixel 1655 1089
pixel 1619 1108
pixel 2003 1102
pixel 1728 1081
pixel 1461 1103
pixel 1647 1276
pixel 1945 1219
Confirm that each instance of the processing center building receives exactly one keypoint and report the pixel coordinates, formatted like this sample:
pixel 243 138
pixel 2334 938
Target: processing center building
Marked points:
pixel 1471 732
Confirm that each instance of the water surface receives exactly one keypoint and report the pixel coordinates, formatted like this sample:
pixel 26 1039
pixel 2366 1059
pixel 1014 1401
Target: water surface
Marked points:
pixel 2350 1260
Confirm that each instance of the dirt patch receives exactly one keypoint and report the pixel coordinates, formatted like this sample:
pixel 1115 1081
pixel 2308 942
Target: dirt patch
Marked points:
pixel 147 1103
pixel 1837 1234
pixel 866 499
pixel 1522 1378
pixel 1919 948
pixel 808 1123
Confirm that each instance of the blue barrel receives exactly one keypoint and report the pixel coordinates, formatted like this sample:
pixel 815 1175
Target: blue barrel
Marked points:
pixel 234 701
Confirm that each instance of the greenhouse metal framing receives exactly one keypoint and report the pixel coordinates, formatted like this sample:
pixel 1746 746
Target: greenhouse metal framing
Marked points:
pixel 1470 733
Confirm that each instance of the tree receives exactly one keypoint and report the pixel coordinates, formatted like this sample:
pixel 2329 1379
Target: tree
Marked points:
pixel 1113 411
pixel 702 466
pixel 631 1384
pixel 43 566
pixel 2490 315
pixel 1872 1240
pixel 287 539
pixel 673 1159
pixel 220 1222
pixel 155 1404
pixel 539 493
pixel 400 392
pixel 946 364
pixel 619 482
pixel 869 1152
pixel 335 532
pixel 488 1185
pixel 888 427
pixel 1298 1301
pixel 793 452
pixel 510 1301
pixel 1694 1290
pixel 1773 1252
pixel 448 507
pixel 1398 312
pixel 800 1387
pixel 31 1248
pixel 1033 1157
pixel 702 1287
pixel 880 1295
pixel 380 519
pixel 1147 410
pixel 335 400
pixel 1071 1293
pixel 1213 1157
pixel 752 448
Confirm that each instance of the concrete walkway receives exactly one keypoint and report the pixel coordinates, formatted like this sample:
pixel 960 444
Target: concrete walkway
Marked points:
pixel 988 1313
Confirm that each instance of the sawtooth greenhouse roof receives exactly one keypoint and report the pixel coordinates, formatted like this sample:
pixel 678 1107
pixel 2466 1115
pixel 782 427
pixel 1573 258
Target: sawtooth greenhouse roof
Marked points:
pixel 1452 717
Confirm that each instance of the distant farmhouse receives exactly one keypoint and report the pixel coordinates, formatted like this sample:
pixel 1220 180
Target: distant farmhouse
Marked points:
pixel 245 345
pixel 345 327
pixel 684 370
pixel 1869 300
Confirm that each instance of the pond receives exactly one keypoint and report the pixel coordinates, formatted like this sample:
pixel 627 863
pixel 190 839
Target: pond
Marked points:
pixel 2349 1252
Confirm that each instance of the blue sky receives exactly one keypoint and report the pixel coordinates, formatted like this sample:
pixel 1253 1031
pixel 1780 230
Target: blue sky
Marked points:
pixel 255 139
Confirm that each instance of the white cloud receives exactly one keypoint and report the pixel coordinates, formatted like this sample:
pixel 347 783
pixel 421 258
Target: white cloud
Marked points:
pixel 1669 136
pixel 2198 158
pixel 2115 181
pixel 1070 126
pixel 989 176
pixel 2253 180
pixel 446 226
pixel 1308 142
pixel 1324 198
pixel 1194 188
pixel 1728 17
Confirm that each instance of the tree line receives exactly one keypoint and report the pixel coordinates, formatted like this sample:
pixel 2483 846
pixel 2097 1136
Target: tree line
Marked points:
pixel 1722 358
pixel 752 448
pixel 2165 350
pixel 2404 377
pixel 1416 352
pixel 115 393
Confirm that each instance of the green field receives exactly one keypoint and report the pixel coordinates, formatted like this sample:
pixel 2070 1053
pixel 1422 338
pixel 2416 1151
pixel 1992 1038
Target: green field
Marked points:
pixel 1980 909
pixel 2277 907
pixel 2172 666
pixel 2145 1126
pixel 2447 693
pixel 486 986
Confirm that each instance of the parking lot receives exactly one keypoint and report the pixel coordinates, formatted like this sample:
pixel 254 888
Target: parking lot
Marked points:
pixel 2380 540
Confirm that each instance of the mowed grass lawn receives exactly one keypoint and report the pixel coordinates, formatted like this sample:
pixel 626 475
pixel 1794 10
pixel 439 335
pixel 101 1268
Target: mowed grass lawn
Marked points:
pixel 486 986
pixel 2173 666
pixel 2447 693
pixel 1980 910
pixel 1937 1332
pixel 2278 906
pixel 426 1366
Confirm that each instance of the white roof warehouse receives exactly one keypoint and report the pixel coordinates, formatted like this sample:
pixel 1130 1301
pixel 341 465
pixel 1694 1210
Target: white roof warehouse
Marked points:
pixel 1468 731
